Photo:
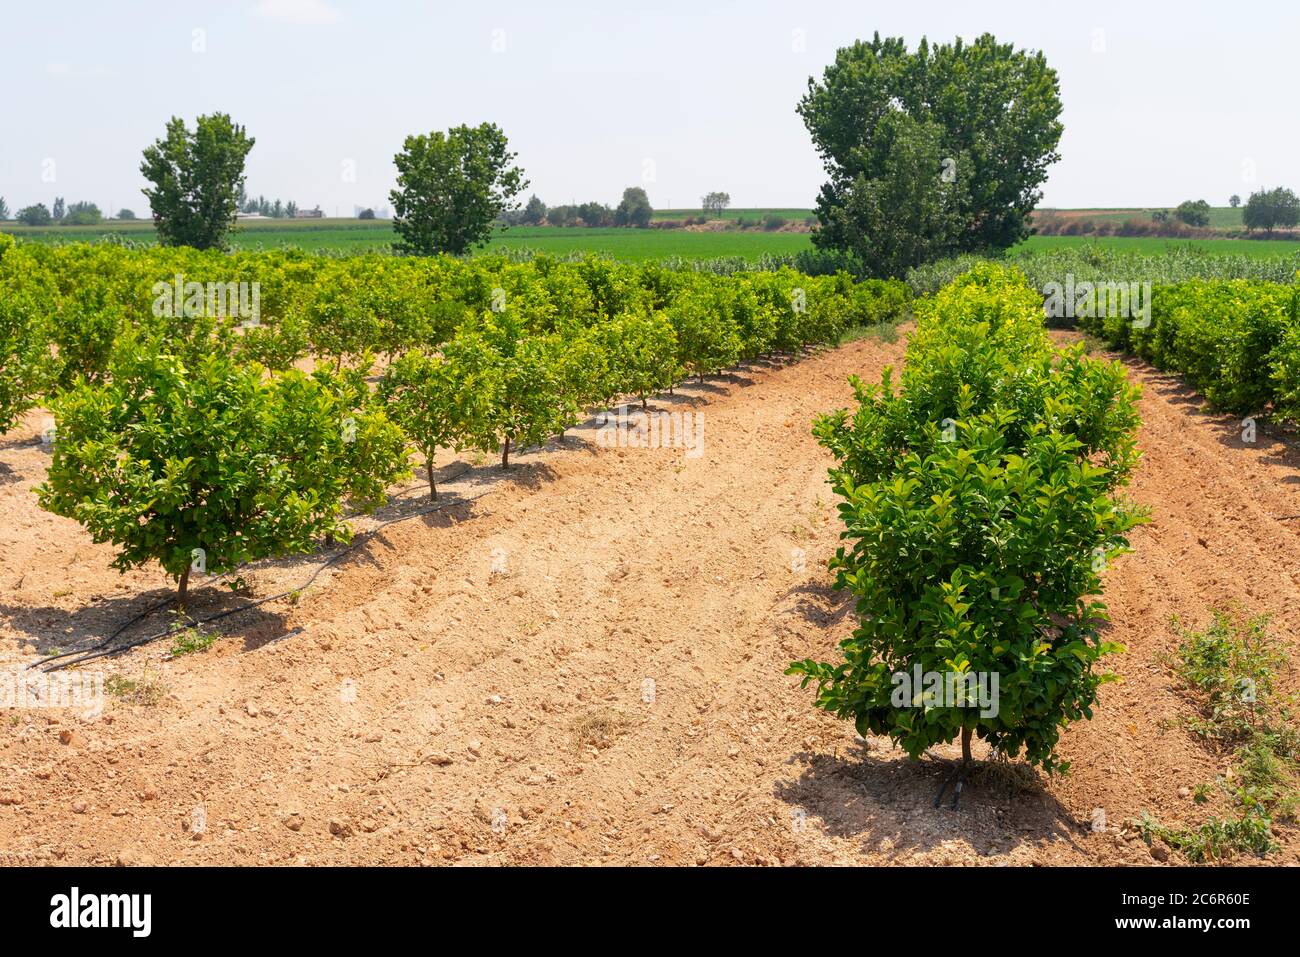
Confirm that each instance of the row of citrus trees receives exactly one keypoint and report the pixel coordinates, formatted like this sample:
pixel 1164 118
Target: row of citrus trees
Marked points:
pixel 982 498
pixel 184 430
pixel 1237 341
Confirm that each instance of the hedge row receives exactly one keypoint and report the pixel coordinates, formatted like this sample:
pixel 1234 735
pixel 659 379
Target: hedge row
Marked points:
pixel 1236 341
pixel 75 302
pixel 180 432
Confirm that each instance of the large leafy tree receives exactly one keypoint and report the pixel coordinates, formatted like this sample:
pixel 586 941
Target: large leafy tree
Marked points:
pixel 978 124
pixel 197 179
pixel 635 209
pixel 451 187
pixel 1270 209
pixel 36 215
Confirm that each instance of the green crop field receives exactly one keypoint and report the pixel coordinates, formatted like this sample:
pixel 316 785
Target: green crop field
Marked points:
pixel 1155 245
pixel 343 234
pixel 351 235
pixel 642 244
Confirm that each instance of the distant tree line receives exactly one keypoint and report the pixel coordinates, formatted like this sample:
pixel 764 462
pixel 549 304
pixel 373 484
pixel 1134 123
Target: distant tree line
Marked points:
pixel 261 206
pixel 78 214
pixel 1271 209
pixel 633 210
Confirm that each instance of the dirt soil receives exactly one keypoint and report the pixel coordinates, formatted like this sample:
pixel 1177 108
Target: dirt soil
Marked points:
pixel 581 662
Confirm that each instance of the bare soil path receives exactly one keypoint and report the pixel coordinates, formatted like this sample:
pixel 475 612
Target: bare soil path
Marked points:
pixel 584 665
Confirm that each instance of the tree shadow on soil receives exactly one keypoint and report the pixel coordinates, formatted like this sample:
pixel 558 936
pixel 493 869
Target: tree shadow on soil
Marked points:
pixel 52 630
pixel 820 603
pixel 881 797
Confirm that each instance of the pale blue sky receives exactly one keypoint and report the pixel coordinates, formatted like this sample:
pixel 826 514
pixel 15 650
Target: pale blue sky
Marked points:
pixel 1163 101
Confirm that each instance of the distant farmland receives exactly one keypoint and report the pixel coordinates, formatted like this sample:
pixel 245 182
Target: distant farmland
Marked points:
pixel 1221 217
pixel 352 236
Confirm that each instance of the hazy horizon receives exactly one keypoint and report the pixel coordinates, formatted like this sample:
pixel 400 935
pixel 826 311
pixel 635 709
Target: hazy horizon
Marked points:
pixel 1160 104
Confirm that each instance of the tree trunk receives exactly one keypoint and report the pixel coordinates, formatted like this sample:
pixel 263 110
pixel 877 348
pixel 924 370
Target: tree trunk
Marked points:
pixel 433 489
pixel 183 589
pixel 643 405
pixel 505 454
pixel 965 745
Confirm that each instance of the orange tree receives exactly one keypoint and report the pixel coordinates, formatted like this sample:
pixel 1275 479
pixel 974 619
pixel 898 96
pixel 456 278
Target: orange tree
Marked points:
pixel 981 504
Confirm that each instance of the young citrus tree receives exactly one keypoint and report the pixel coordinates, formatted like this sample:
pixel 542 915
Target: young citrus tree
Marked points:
pixel 642 350
pixel 437 403
pixel 367 454
pixel 525 392
pixel 707 339
pixel 201 466
pixel 24 350
pixel 981 505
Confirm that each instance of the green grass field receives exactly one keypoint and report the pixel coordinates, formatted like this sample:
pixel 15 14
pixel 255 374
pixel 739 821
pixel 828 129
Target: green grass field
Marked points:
pixel 351 235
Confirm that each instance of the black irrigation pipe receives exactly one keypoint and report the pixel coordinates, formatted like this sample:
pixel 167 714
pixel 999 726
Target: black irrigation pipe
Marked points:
pixel 70 658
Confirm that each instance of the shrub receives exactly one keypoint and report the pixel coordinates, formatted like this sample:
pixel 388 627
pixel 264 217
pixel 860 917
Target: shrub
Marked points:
pixel 642 349
pixel 980 501
pixel 519 375
pixel 199 466
pixel 436 402
pixel 707 341
pixel 24 349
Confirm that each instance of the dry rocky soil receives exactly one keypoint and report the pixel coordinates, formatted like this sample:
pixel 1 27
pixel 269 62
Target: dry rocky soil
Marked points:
pixel 580 661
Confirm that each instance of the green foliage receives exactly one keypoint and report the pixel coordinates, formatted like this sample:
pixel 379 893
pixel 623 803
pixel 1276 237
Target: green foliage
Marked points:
pixel 1271 209
pixel 37 215
pixel 197 180
pixel 82 214
pixel 642 350
pixel 188 640
pixel 451 187
pixel 165 458
pixel 634 209
pixel 980 119
pixel 707 339
pixel 25 363
pixel 1230 338
pixel 1229 669
pixel 438 403
pixel 1193 212
pixel 981 503
pixel 906 213
pixel 1216 839
pixel 534 212
pixel 715 202
pixel 522 380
